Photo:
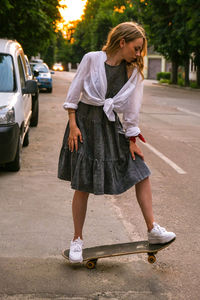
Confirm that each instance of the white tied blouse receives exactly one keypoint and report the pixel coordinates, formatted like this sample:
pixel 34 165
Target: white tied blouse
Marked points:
pixel 90 86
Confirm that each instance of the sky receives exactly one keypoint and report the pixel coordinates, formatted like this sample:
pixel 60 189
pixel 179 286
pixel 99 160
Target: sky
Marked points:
pixel 73 11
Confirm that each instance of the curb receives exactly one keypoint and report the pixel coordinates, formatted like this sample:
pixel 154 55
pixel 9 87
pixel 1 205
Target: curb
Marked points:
pixel 176 86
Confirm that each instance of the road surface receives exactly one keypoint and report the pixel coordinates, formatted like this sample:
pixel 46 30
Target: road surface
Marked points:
pixel 35 209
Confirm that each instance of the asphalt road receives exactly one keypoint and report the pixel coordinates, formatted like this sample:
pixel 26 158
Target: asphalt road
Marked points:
pixel 35 210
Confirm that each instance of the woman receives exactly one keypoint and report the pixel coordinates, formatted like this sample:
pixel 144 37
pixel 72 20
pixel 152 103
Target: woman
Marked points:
pixel 100 155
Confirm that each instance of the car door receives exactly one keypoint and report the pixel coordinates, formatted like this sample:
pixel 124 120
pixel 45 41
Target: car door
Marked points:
pixel 27 102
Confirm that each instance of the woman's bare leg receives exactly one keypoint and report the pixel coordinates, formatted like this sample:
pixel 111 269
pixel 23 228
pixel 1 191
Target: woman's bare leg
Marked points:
pixel 144 197
pixel 79 208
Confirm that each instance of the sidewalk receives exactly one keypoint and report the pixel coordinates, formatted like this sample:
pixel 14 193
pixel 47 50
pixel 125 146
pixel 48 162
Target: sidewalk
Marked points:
pixel 155 82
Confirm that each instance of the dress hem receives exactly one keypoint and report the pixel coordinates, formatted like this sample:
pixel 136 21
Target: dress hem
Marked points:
pixel 107 193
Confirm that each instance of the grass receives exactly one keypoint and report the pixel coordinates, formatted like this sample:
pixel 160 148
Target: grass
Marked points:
pixel 181 82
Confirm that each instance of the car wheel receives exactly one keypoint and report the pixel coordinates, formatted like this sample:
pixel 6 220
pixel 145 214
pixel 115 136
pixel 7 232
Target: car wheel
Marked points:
pixel 15 165
pixel 35 113
pixel 26 139
pixel 50 90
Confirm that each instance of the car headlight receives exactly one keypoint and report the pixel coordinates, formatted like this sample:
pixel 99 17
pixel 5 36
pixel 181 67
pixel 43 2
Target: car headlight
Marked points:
pixel 7 115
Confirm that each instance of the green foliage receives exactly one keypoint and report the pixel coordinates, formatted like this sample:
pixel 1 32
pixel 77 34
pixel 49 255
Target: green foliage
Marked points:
pixel 32 23
pixel 102 24
pixel 165 81
pixel 192 12
pixel 163 75
pixel 181 82
pixel 194 85
pixel 172 27
pixel 5 4
pixel 100 16
pixel 180 75
pixel 160 19
pixel 63 51
pixel 49 55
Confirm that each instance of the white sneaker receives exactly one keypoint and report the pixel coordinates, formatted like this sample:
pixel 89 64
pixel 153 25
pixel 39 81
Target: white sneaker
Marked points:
pixel 76 252
pixel 159 235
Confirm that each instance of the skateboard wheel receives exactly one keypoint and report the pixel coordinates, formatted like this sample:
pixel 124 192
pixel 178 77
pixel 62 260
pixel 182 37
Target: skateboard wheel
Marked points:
pixel 91 264
pixel 151 259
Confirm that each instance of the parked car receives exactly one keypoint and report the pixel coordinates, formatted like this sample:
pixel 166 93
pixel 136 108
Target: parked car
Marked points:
pixel 16 89
pixel 58 67
pixel 35 97
pixel 44 78
pixel 34 62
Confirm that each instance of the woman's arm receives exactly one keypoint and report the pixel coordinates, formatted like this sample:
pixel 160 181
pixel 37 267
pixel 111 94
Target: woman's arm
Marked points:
pixel 132 109
pixel 71 103
pixel 131 118
pixel 74 132
pixel 135 149
pixel 76 86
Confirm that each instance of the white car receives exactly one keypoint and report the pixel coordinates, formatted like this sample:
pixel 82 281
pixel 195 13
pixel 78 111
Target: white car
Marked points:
pixel 16 90
pixel 35 97
pixel 58 67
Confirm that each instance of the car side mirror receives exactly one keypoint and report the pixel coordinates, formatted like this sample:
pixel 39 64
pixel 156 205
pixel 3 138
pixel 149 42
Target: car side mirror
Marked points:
pixel 52 72
pixel 30 87
pixel 36 73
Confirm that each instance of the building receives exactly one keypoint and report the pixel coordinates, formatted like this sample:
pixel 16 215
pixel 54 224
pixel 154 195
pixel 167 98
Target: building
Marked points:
pixel 193 69
pixel 155 63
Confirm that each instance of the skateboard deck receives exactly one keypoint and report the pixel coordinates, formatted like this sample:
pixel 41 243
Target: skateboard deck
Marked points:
pixel 91 255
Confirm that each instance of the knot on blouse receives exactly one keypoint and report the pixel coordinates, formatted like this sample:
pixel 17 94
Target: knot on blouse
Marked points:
pixel 108 109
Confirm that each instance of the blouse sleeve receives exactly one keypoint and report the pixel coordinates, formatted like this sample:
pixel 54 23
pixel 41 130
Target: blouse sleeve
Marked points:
pixel 76 86
pixel 131 113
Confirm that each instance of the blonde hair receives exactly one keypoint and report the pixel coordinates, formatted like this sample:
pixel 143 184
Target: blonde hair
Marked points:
pixel 129 31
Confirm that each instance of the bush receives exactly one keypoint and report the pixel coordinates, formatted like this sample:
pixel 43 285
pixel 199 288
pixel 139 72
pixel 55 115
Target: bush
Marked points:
pixel 180 75
pixel 194 85
pixel 163 75
pixel 181 82
pixel 165 81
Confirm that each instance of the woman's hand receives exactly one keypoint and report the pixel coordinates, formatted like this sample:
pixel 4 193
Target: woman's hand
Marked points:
pixel 135 149
pixel 74 134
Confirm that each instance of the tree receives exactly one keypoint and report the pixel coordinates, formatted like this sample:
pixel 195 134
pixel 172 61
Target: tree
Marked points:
pixel 110 14
pixel 158 19
pixel 173 29
pixel 49 55
pixel 102 24
pixel 86 28
pixel 191 10
pixel 99 17
pixel 63 51
pixel 32 23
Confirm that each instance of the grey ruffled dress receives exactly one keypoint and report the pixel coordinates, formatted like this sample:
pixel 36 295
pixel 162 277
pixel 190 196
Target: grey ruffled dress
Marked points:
pixel 103 163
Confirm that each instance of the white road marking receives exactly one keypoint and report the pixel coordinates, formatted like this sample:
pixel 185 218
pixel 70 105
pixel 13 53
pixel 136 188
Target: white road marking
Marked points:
pixel 188 112
pixel 166 159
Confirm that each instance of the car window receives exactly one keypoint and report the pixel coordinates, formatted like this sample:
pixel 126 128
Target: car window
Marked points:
pixel 7 74
pixel 21 72
pixel 28 67
pixel 32 65
pixel 29 70
pixel 41 68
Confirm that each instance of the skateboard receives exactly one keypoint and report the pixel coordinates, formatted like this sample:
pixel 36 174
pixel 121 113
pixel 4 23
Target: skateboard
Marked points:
pixel 91 255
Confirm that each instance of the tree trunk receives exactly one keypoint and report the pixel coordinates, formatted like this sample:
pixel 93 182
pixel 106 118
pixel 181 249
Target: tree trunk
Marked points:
pixel 198 76
pixel 187 70
pixel 174 71
pixel 197 63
